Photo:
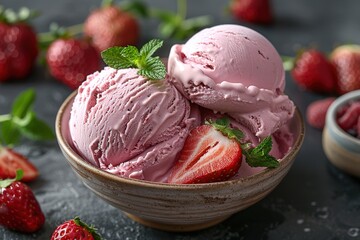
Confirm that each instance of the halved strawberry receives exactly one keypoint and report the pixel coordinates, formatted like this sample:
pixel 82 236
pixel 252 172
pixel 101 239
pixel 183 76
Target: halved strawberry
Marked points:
pixel 207 156
pixel 10 161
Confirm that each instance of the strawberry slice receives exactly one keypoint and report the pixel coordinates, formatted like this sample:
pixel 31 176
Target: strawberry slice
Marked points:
pixel 213 153
pixel 207 156
pixel 10 161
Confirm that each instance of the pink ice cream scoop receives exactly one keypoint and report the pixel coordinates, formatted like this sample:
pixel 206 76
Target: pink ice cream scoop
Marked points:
pixel 129 125
pixel 235 70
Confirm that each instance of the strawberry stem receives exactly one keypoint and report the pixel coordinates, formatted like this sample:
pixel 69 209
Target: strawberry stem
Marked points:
pixel 46 38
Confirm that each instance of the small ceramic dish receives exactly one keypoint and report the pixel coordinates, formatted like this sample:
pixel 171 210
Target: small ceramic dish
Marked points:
pixel 342 149
pixel 175 207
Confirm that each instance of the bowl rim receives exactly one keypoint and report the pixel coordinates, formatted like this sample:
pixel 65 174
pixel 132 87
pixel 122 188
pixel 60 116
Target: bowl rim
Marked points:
pixel 66 148
pixel 331 116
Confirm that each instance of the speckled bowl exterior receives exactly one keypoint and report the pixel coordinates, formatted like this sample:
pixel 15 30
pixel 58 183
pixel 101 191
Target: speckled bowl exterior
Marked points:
pixel 175 207
pixel 341 149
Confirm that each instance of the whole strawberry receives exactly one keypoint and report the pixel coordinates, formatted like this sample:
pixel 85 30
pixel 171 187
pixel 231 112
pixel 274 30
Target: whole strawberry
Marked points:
pixel 109 26
pixel 254 11
pixel 75 229
pixel 19 209
pixel 314 72
pixel 70 60
pixel 346 59
pixel 316 112
pixel 18 45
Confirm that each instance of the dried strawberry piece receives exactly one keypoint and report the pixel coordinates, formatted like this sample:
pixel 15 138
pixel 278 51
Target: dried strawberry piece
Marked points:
pixel 350 118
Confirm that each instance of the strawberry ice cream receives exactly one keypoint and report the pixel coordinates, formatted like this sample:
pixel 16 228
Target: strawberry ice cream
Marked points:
pixel 129 125
pixel 235 70
pixel 134 127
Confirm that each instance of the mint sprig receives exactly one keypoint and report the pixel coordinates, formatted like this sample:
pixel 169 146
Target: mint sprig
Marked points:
pixel 130 57
pixel 23 122
pixel 255 157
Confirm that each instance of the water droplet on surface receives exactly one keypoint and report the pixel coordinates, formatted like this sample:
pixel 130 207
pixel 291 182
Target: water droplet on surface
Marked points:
pixel 322 212
pixel 313 203
pixel 307 229
pixel 300 221
pixel 353 232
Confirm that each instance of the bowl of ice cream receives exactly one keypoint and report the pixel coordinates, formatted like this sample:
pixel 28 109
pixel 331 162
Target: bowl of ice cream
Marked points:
pixel 124 135
pixel 176 207
pixel 341 140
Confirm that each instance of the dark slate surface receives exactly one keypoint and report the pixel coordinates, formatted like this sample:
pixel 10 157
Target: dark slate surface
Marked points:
pixel 314 201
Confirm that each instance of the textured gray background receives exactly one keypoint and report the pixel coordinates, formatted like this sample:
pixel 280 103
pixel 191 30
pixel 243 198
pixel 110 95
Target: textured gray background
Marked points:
pixel 314 201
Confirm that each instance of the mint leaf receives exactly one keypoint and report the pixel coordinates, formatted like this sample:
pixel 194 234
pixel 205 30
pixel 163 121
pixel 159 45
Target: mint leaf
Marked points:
pixel 223 125
pixel 255 157
pixel 155 69
pixel 149 48
pixel 130 57
pixel 138 8
pixel 10 134
pixel 118 57
pixel 259 156
pixel 22 121
pixel 23 103
pixel 36 129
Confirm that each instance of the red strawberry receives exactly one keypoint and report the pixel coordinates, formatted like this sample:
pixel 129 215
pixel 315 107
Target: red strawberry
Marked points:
pixel 10 161
pixel 18 48
pixel 314 72
pixel 75 229
pixel 254 11
pixel 316 112
pixel 71 60
pixel 207 156
pixel 110 26
pixel 19 209
pixel 346 59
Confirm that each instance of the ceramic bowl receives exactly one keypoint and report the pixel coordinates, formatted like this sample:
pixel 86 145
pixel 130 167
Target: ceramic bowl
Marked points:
pixel 175 207
pixel 342 149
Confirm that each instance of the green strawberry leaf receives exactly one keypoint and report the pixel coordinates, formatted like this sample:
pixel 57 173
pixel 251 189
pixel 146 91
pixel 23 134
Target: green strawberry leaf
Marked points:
pixel 130 57
pixel 90 228
pixel 7 182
